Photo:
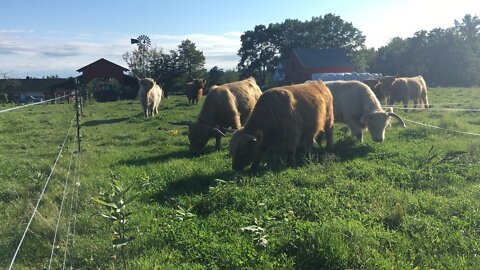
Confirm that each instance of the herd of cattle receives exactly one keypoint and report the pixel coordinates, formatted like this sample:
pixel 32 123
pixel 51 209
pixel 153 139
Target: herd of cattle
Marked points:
pixel 290 115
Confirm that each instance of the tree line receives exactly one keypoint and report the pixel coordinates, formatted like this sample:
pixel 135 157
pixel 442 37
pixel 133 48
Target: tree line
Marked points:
pixel 445 57
pixel 174 68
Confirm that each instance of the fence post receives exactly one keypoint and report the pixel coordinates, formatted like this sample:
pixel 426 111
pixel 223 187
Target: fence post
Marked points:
pixel 77 109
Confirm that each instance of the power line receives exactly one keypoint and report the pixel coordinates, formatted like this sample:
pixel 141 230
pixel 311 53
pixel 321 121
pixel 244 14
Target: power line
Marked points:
pixel 41 196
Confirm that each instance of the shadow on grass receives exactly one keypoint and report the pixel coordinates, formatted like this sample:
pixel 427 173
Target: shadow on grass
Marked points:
pixel 275 160
pixel 195 184
pixel 105 122
pixel 349 148
pixel 184 153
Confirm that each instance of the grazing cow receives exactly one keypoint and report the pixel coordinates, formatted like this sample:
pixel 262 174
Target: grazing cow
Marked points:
pixel 385 86
pixel 227 105
pixel 405 89
pixel 355 105
pixel 375 86
pixel 150 95
pixel 284 116
pixel 194 90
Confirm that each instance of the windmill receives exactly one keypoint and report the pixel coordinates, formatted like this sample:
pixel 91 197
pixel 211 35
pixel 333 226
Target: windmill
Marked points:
pixel 143 42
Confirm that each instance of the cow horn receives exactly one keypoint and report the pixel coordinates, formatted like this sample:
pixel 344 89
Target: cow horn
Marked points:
pixel 394 115
pixel 217 133
pixel 182 123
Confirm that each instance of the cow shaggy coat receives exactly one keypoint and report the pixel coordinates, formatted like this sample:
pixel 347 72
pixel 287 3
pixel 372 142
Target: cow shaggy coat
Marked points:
pixel 226 106
pixel 376 88
pixel 405 89
pixel 284 117
pixel 150 95
pixel 384 87
pixel 194 91
pixel 355 104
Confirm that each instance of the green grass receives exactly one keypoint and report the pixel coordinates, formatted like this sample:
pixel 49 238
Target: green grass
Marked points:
pixel 398 204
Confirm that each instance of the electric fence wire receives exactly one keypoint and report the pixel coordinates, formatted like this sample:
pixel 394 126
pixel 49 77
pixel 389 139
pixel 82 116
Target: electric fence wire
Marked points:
pixel 72 214
pixel 40 197
pixel 32 104
pixel 61 208
pixel 445 129
pixel 437 109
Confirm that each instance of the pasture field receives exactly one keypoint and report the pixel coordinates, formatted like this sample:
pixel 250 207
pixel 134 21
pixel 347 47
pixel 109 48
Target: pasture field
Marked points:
pixel 411 202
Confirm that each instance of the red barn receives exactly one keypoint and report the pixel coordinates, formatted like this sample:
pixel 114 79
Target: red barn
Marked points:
pixel 102 69
pixel 302 63
pixel 109 80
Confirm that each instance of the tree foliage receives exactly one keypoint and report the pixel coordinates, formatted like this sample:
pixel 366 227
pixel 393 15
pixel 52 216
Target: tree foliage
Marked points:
pixel 446 57
pixel 215 76
pixel 263 47
pixel 171 69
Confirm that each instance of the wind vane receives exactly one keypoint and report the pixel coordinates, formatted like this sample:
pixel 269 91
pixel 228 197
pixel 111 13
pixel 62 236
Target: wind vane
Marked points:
pixel 142 41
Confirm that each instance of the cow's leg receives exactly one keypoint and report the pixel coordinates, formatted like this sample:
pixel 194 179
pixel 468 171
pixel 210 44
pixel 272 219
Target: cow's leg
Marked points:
pixel 218 143
pixel 319 138
pixel 357 132
pixel 255 165
pixel 329 135
pixel 291 147
pixel 425 101
pixel 355 128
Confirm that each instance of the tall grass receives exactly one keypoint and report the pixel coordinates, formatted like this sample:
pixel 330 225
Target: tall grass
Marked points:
pixel 411 201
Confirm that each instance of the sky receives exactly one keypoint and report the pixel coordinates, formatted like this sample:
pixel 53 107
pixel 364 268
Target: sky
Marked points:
pixel 57 37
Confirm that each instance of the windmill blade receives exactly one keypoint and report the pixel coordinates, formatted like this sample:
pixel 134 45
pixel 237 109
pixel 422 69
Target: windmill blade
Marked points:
pixel 144 41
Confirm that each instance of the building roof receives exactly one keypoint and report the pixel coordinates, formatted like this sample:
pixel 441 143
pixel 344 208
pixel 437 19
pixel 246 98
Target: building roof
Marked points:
pixel 314 58
pixel 98 62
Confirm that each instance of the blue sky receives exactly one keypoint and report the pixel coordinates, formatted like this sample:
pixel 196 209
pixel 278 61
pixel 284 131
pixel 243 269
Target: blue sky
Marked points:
pixel 52 37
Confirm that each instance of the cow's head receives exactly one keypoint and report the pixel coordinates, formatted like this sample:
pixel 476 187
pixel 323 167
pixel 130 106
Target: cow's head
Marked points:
pixel 245 148
pixel 146 83
pixel 385 85
pixel 198 135
pixel 199 83
pixel 376 123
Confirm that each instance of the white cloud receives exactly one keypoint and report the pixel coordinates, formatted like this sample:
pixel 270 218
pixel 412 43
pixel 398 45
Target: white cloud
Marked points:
pixel 25 53
pixel 219 50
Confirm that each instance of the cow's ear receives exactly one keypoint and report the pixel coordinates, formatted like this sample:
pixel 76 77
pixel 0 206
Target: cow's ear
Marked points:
pixel 389 110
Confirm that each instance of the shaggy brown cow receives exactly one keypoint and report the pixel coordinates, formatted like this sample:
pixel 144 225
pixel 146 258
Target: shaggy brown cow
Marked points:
pixel 375 87
pixel 405 89
pixel 284 116
pixel 385 86
pixel 194 91
pixel 227 105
